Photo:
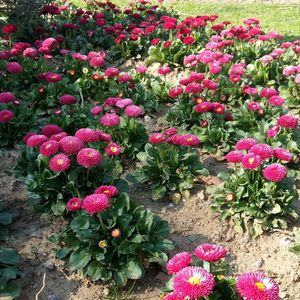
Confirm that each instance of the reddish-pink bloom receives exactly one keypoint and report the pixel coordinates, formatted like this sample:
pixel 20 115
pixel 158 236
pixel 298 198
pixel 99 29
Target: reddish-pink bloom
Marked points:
pixel 275 172
pixel 234 156
pixel 170 131
pixel 108 190
pixel 263 150
pixel 9 29
pixel 245 144
pixel 59 163
pixel 70 144
pixel 36 140
pixel 96 110
pixel 188 40
pixel 14 68
pixel 175 92
pixel 210 252
pixel 97 61
pixel 189 140
pixel 50 43
pixel 113 149
pixel 173 296
pixel 51 129
pixel 257 286
pixel 5 115
pixel 251 161
pixel 133 111
pixel 87 135
pixel 283 154
pixel 7 97
pixel 218 108
pixel 276 100
pixel 95 203
pixel 254 106
pixel 53 77
pixel 67 100
pixel 273 131
pixel 88 157
pixel 193 282
pixel 204 107
pixel 287 121
pixel 49 148
pixel 268 92
pixel 104 136
pixel 58 136
pixel 178 262
pixel 111 72
pixel 74 204
pixel 124 102
pixel 110 120
pixel 164 70
pixel 156 138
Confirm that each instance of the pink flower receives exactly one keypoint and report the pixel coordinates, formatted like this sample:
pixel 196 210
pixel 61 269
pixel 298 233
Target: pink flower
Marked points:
pixel 245 144
pixel 193 282
pixel 113 149
pixel 173 296
pixel 111 72
pixel 176 91
pixel 74 204
pixel 257 286
pixel 95 203
pixel 218 108
pixel 108 190
pixel 7 97
pixel 5 115
pixel 97 61
pixel 275 172
pixel 189 140
pixel 51 129
pixel 204 107
pixel 164 70
pixel 49 148
pixel 88 157
pixel 14 68
pixel 124 102
pixel 70 145
pixel 251 161
pixel 276 100
pixel 178 262
pixel 273 131
pixel 254 106
pixel 234 156
pixel 156 138
pixel 53 77
pixel 141 69
pixel 283 154
pixel 263 150
pixel 133 111
pixel 57 137
pixel 59 163
pixel 287 121
pixel 210 252
pixel 50 43
pixel 87 135
pixel 36 140
pixel 104 136
pixel 96 110
pixel 170 131
pixel 289 70
pixel 268 92
pixel 110 120
pixel 67 100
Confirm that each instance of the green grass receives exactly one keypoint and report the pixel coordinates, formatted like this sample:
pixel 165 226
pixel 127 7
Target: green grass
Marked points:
pixel 276 17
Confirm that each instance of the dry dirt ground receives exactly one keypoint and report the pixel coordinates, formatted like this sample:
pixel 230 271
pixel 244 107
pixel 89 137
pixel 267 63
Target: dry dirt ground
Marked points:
pixel 192 223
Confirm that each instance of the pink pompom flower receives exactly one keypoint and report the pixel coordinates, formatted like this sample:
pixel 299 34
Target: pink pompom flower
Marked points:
pixel 36 140
pixel 95 203
pixel 276 101
pixel 254 106
pixel 59 163
pixel 70 145
pixel 133 111
pixel 283 154
pixel 193 282
pixel 14 68
pixel 6 115
pixel 74 204
pixel 113 149
pixel 287 121
pixel 108 190
pixel 263 150
pixel 110 120
pixel 210 252
pixel 234 156
pixel 96 110
pixel 67 100
pixel 88 157
pixel 275 172
pixel 156 138
pixel 251 161
pixel 178 262
pixel 87 135
pixel 257 286
pixel 7 97
pixel 49 148
pixel 51 129
pixel 245 144
pixel 124 102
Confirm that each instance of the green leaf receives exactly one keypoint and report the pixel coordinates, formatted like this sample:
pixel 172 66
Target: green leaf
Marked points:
pixel 9 256
pixel 58 208
pixel 5 218
pixel 78 260
pixel 132 270
pixel 159 192
pixel 94 271
pixel 81 222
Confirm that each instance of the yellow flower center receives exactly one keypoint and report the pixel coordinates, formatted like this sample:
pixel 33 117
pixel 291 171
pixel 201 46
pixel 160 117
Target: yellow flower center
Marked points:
pixel 194 281
pixel 229 197
pixel 260 285
pixel 114 149
pixel 102 244
pixel 189 139
pixel 199 101
pixel 251 160
pixel 90 154
pixel 60 162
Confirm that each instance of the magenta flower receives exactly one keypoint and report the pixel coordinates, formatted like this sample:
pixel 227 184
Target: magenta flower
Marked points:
pixel 276 101
pixel 133 111
pixel 275 172
pixel 189 140
pixel 263 150
pixel 251 161
pixel 96 110
pixel 245 144
pixel 210 252
pixel 124 102
pixel 67 100
pixel 178 262
pixel 175 92
pixel 113 149
pixel 74 204
pixel 203 107
pixel 104 136
pixel 57 137
pixel 7 97
pixel 88 157
pixel 108 190
pixel 87 135
pixel 51 129
pixel 193 282
pixel 156 138
pixel 110 120
pixel 59 163
pixel 283 154
pixel 70 144
pixel 254 106
pixel 36 140
pixel 173 296
pixel 95 203
pixel 14 68
pixel 49 148
pixel 257 286
pixel 287 121
pixel 170 131
pixel 5 115
pixel 234 156
pixel 111 72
